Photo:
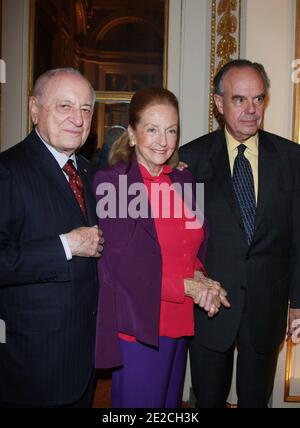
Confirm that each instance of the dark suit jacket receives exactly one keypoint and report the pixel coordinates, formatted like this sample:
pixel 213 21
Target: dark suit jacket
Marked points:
pixel 269 270
pixel 48 303
pixel 130 271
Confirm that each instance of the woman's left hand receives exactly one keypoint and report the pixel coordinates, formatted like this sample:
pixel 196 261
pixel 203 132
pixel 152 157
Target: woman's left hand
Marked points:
pixel 206 293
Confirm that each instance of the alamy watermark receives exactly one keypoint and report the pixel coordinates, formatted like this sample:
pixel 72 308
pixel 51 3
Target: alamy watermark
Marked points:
pixel 296 333
pixel 296 71
pixel 2 71
pixel 178 201
pixel 2 332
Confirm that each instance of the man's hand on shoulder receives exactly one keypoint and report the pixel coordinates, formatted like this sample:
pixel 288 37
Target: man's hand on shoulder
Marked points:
pixel 182 166
pixel 85 241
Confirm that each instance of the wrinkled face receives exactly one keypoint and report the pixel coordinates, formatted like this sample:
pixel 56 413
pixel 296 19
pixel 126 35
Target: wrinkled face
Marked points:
pixel 63 115
pixel 243 102
pixel 155 136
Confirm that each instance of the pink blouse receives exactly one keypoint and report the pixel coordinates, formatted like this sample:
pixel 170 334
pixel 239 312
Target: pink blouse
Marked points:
pixel 179 248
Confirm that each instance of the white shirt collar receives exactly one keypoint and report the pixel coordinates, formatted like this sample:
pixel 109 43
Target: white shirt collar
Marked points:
pixel 61 158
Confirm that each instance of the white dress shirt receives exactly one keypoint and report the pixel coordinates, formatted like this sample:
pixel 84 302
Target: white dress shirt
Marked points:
pixel 61 159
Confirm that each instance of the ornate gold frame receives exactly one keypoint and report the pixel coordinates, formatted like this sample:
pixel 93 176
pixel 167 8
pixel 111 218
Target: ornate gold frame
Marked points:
pixel 296 129
pixel 225 23
pixel 288 374
pixel 30 57
pixel 296 137
pixel 105 96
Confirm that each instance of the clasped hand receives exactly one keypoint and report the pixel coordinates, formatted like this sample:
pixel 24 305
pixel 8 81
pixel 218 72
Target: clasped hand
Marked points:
pixel 206 293
pixel 85 241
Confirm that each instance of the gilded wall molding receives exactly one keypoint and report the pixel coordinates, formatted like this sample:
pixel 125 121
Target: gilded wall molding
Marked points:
pixel 291 353
pixel 296 127
pixel 30 58
pixel 225 42
pixel 291 395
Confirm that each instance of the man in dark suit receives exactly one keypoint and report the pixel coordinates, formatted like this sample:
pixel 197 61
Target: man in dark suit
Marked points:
pixel 48 249
pixel 252 204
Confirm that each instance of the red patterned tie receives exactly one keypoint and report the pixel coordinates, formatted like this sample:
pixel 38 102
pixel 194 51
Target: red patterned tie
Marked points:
pixel 76 185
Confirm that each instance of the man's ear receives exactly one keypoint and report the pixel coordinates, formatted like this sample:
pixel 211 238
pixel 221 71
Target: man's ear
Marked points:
pixel 34 109
pixel 219 103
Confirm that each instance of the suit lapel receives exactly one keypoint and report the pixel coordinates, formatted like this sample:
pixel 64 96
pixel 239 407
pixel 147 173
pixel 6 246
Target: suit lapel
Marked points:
pixel 45 164
pixel 134 176
pixel 266 169
pixel 221 166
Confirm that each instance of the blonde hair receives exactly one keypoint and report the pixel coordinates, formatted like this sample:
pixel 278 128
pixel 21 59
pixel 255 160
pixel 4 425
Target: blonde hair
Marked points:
pixel 121 150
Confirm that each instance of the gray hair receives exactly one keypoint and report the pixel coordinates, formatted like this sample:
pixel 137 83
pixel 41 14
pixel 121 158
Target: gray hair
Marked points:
pixel 239 63
pixel 42 81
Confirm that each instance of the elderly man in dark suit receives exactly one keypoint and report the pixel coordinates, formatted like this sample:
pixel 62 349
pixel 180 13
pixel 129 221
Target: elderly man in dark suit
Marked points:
pixel 252 204
pixel 48 249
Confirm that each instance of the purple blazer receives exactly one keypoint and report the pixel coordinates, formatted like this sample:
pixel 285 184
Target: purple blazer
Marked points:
pixel 130 272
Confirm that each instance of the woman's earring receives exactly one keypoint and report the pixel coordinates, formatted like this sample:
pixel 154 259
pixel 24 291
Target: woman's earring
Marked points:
pixel 131 143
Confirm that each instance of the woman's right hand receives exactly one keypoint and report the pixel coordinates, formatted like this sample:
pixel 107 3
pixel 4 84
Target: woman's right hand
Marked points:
pixel 206 293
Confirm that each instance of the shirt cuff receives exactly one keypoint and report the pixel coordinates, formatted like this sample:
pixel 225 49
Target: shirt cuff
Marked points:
pixel 66 246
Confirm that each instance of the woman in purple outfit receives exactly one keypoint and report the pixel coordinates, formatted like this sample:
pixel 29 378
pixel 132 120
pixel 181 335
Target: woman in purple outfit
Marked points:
pixel 151 272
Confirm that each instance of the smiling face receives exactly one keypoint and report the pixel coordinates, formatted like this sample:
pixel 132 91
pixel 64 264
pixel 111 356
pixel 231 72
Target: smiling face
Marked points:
pixel 155 136
pixel 243 102
pixel 63 114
